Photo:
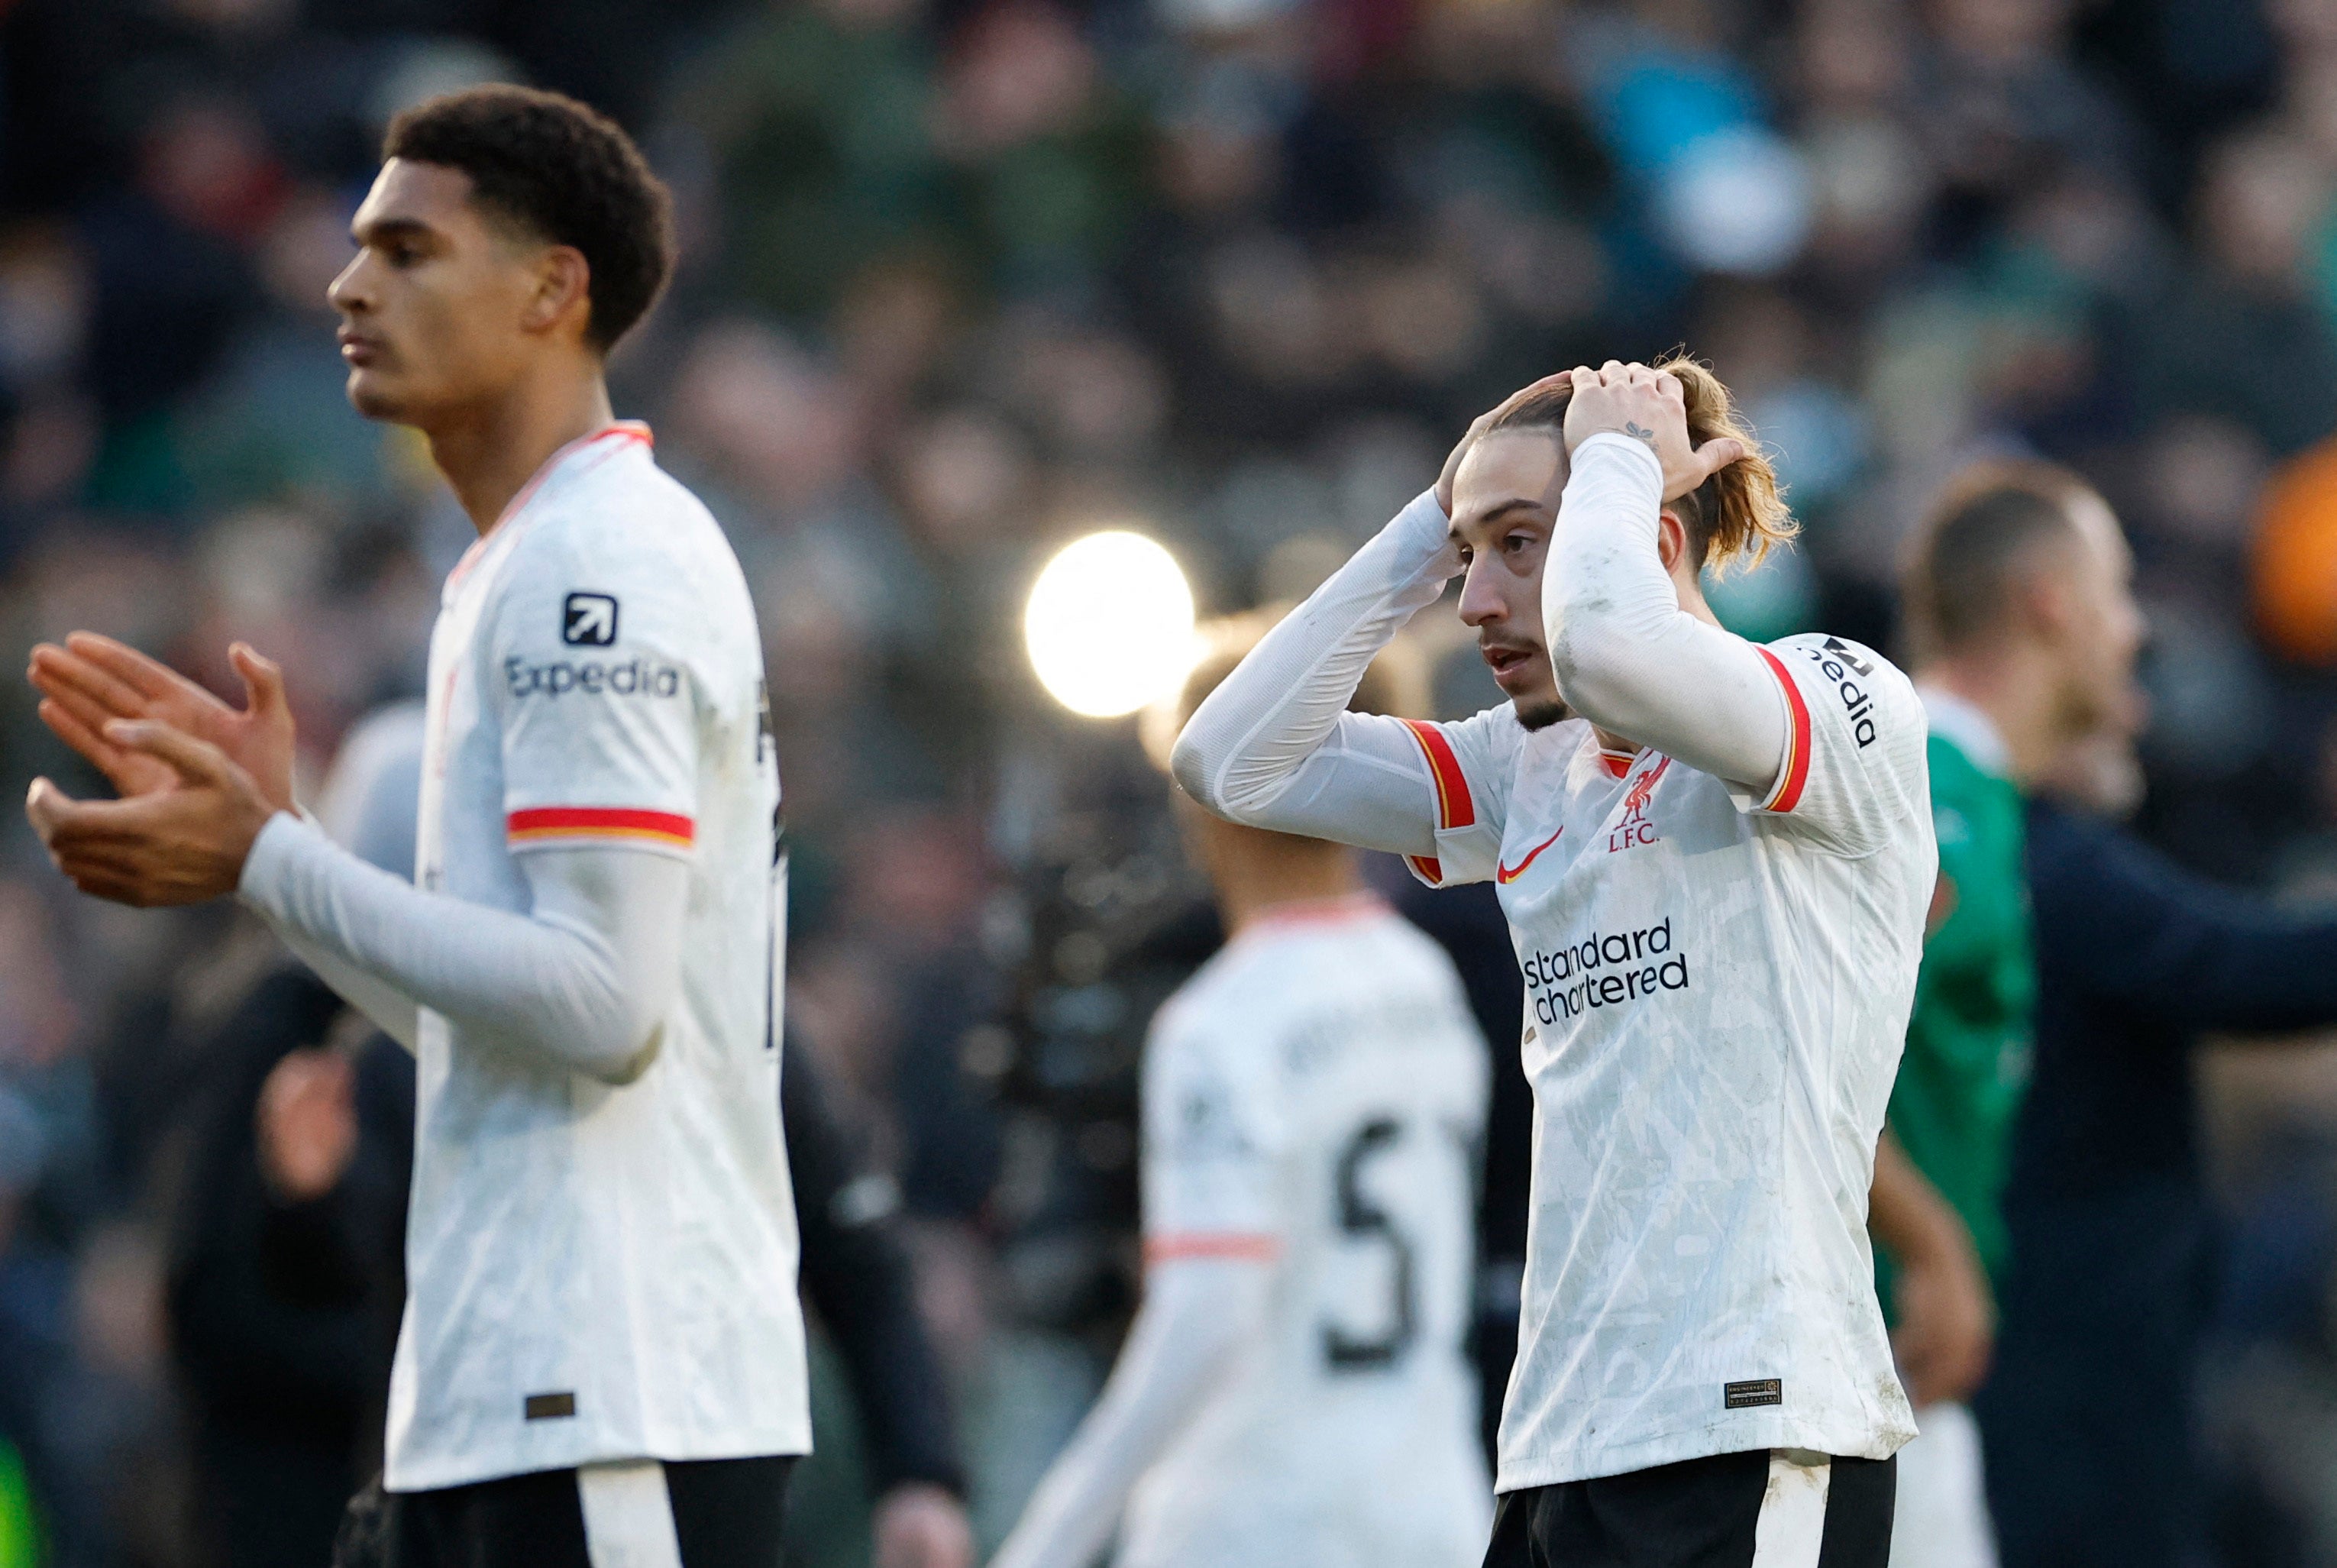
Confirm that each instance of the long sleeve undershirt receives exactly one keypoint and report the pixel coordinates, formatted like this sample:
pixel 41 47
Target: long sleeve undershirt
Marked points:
pixel 583 979
pixel 1273 747
pixel 1195 1312
pixel 1627 656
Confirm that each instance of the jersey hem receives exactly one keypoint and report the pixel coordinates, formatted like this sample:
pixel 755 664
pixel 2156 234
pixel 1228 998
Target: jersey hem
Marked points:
pixel 1698 1442
pixel 437 1477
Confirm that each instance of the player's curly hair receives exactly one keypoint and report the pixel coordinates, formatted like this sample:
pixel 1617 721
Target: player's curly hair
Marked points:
pixel 1734 518
pixel 564 172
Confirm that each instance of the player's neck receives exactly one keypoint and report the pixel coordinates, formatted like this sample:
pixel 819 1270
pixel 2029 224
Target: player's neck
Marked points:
pixel 2017 697
pixel 1266 872
pixel 489 452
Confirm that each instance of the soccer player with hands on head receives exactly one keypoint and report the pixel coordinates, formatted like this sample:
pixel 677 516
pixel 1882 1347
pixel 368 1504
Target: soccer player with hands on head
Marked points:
pixel 602 1359
pixel 1715 856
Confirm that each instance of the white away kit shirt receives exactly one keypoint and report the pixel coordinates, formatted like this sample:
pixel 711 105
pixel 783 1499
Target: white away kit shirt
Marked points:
pixel 1715 988
pixel 602 1271
pixel 1717 979
pixel 1314 1098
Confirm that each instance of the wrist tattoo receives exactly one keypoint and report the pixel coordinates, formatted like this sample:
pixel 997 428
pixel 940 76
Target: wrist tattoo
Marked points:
pixel 1638 432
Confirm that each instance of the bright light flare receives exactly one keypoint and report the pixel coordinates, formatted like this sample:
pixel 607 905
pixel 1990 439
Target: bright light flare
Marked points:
pixel 1109 624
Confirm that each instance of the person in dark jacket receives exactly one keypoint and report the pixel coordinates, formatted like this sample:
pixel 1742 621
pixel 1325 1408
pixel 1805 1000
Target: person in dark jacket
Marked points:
pixel 287 1280
pixel 281 1328
pixel 2090 1414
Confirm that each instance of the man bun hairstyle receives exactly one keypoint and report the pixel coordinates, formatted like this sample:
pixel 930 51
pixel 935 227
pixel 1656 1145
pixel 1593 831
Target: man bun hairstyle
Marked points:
pixel 1977 540
pixel 565 173
pixel 1736 517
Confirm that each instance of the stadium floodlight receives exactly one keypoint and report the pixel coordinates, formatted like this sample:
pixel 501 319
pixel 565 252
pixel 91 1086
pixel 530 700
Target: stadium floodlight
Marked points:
pixel 1109 624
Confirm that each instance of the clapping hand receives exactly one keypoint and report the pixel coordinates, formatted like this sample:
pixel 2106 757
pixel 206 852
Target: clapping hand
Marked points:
pixel 92 680
pixel 183 841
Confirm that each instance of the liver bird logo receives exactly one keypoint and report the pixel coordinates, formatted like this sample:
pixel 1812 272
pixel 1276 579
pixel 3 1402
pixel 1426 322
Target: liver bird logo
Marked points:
pixel 1635 828
pixel 1635 801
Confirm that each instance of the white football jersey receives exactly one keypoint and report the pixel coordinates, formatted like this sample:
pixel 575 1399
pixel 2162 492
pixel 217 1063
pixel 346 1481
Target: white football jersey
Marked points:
pixel 1316 1096
pixel 1717 991
pixel 599 1272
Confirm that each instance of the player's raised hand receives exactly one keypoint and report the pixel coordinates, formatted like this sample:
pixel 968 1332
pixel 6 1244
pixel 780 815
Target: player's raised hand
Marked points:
pixel 92 680
pixel 179 843
pixel 1648 405
pixel 1482 423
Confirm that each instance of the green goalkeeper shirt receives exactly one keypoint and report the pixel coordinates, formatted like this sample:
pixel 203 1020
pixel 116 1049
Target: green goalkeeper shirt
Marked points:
pixel 1968 1040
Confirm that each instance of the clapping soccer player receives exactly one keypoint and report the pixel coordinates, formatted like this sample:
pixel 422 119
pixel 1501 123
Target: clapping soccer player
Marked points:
pixel 1294 1388
pixel 602 1359
pixel 1715 875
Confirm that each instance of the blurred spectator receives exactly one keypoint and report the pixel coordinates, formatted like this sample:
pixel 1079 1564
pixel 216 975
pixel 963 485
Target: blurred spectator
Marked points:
pixel 2091 1413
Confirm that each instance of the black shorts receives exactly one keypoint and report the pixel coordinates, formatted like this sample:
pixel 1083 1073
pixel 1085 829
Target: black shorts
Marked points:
pixel 1714 1513
pixel 724 1514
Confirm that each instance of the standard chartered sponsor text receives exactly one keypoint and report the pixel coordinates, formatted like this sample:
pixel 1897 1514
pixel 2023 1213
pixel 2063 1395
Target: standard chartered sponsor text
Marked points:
pixel 1604 970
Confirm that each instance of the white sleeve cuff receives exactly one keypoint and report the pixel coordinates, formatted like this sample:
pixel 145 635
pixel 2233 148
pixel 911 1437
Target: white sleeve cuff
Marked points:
pixel 1649 467
pixel 1424 522
pixel 269 865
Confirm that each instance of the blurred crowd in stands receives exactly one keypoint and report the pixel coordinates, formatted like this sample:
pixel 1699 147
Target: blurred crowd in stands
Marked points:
pixel 963 279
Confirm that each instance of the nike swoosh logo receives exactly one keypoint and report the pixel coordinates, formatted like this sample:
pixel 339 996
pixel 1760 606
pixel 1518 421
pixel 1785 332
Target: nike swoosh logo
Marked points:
pixel 1507 874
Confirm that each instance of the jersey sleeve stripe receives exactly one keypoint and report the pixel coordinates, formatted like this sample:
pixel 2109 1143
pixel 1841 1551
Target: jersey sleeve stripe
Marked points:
pixel 1455 807
pixel 1796 770
pixel 1251 1246
pixel 1429 868
pixel 542 824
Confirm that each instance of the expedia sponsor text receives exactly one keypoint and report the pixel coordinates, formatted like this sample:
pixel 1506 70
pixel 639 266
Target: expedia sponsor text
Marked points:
pixel 1856 700
pixel 632 678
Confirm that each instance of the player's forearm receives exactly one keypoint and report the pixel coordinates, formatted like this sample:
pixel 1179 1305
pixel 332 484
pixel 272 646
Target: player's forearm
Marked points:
pixel 548 983
pixel 1906 1214
pixel 1194 1314
pixel 1627 657
pixel 1272 746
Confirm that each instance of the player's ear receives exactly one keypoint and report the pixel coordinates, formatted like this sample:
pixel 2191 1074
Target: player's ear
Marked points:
pixel 563 287
pixel 1671 539
pixel 2043 607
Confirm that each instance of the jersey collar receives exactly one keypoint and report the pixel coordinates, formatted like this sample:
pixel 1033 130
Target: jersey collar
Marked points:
pixel 610 439
pixel 1962 725
pixel 1305 912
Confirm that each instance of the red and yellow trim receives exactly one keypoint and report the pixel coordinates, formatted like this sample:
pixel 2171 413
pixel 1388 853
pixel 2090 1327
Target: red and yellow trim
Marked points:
pixel 1246 1245
pixel 1795 772
pixel 604 824
pixel 1616 763
pixel 1455 805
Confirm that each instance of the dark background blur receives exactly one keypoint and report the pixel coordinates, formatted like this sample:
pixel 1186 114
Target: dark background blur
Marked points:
pixel 963 279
